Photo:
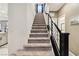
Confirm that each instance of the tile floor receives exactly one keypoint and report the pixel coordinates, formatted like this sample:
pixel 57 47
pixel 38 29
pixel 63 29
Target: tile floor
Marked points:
pixel 4 50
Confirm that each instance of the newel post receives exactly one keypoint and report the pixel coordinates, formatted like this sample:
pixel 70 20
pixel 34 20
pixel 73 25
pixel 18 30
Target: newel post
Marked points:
pixel 64 44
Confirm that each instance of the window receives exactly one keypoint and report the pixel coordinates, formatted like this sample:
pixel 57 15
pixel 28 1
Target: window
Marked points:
pixel 39 8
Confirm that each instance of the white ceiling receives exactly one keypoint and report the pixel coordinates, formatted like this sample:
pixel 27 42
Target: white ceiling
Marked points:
pixel 55 6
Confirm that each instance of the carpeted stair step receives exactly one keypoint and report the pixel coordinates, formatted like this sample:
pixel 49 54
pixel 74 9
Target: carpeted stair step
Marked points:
pixel 39 27
pixel 32 53
pixel 39 31
pixel 39 35
pixel 38 47
pixel 38 40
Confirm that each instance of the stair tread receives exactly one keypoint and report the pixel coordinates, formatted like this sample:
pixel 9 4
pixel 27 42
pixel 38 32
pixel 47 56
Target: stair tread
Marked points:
pixel 45 38
pixel 38 40
pixel 32 53
pixel 38 33
pixel 38 45
pixel 40 29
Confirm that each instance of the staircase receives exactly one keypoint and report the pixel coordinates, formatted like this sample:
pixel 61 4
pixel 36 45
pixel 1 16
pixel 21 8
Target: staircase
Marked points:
pixel 38 42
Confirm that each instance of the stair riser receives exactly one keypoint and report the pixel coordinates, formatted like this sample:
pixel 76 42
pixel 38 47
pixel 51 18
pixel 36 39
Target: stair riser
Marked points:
pixel 37 48
pixel 39 22
pixel 38 35
pixel 32 53
pixel 38 31
pixel 38 41
pixel 39 25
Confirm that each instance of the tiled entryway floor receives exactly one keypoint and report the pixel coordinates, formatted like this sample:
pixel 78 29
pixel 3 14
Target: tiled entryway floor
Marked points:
pixel 4 50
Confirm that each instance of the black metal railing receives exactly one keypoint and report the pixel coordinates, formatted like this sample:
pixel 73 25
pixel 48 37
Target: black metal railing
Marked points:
pixel 61 48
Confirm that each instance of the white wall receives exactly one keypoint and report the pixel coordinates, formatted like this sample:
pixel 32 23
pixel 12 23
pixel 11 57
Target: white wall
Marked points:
pixel 21 17
pixel 71 10
pixel 46 11
pixel 30 14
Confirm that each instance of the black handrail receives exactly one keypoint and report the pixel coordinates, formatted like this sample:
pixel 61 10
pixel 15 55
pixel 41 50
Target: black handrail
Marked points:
pixel 53 22
pixel 64 40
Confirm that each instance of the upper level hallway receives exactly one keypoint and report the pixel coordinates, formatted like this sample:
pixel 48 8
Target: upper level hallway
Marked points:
pixel 29 21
